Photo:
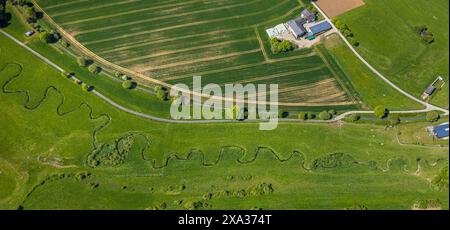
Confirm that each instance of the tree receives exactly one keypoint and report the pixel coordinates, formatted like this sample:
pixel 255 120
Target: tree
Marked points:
pixel 64 43
pixel 45 37
pixel 353 41
pixel 380 111
pixel 162 93
pixel 302 116
pixel 118 74
pixel 348 33
pixel 355 117
pixel 433 116
pixel 128 84
pixel 94 69
pixel 86 87
pixel 310 115
pixel 324 115
pixel 83 62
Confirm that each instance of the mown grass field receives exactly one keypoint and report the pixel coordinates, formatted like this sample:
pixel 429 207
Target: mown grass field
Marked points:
pixel 218 40
pixel 50 128
pixel 385 29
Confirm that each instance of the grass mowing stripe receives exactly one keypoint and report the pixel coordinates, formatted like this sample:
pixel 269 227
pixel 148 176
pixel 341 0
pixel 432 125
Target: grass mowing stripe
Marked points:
pixel 205 59
pixel 94 8
pixel 155 18
pixel 169 52
pixel 239 67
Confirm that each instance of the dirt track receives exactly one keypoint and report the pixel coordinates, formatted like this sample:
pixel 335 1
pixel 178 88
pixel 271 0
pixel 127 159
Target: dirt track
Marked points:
pixel 334 8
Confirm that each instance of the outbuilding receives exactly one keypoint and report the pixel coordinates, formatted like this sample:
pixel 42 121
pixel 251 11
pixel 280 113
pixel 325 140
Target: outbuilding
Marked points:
pixel 296 28
pixel 319 28
pixel 308 15
pixel 441 131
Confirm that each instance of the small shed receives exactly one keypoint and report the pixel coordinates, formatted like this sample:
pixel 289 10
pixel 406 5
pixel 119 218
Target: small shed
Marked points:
pixel 308 15
pixel 296 29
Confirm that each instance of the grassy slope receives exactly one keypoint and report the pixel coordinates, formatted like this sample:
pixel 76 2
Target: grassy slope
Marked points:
pixel 44 133
pixel 372 90
pixel 385 29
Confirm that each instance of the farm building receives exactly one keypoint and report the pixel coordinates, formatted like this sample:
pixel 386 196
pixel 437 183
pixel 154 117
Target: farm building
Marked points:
pixel 319 28
pixel 296 27
pixel 441 131
pixel 308 16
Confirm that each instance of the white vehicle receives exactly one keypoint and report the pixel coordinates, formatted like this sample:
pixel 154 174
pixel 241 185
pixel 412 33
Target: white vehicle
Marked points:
pixel 29 33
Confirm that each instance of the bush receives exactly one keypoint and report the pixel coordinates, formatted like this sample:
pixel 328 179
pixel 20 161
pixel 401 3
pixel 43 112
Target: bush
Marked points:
pixel 324 115
pixel 353 41
pixel 355 117
pixel 86 87
pixel 118 74
pixel 83 62
pixel 433 116
pixel 94 69
pixel 380 111
pixel 302 116
pixel 45 37
pixel 311 115
pixel 64 43
pixel 162 93
pixel 30 13
pixel 280 46
pixel 128 84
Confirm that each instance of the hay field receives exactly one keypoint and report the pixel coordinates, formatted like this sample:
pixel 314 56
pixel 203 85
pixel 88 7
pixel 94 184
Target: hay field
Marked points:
pixel 221 40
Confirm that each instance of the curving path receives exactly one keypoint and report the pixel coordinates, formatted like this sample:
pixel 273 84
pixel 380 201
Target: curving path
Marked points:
pixel 165 120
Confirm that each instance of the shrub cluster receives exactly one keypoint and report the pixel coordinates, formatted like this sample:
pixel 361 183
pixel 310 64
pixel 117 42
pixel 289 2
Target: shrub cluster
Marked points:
pixel 306 115
pixel 347 32
pixel 336 160
pixel 325 115
pixel 128 84
pixel 440 181
pixel 112 154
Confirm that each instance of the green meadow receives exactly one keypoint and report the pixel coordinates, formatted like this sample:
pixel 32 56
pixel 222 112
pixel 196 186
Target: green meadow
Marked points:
pixel 385 30
pixel 63 148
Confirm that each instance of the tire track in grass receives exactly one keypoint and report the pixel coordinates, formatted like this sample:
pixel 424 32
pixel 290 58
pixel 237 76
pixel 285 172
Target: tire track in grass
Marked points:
pixel 278 75
pixel 94 8
pixel 189 62
pixel 196 23
pixel 131 12
pixel 64 4
pixel 83 32
pixel 162 53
